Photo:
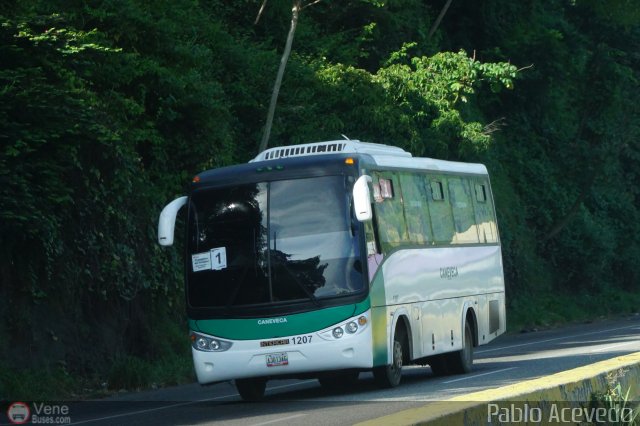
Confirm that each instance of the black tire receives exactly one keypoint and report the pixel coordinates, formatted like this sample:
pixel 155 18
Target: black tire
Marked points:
pixel 438 364
pixel 461 361
pixel 251 390
pixel 389 376
pixel 339 381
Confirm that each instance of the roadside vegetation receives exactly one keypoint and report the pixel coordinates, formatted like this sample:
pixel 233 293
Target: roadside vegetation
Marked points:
pixel 620 404
pixel 107 109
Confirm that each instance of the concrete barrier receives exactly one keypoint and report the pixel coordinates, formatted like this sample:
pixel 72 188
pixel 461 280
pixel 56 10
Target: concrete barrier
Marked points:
pixel 556 399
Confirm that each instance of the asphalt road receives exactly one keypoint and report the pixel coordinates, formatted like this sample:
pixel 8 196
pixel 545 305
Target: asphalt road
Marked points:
pixel 507 360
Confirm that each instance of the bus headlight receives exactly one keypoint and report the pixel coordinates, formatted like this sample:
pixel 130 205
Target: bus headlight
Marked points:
pixel 204 343
pixel 346 329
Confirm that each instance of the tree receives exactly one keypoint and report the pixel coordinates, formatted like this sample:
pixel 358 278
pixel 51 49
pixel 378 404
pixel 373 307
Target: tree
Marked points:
pixel 297 7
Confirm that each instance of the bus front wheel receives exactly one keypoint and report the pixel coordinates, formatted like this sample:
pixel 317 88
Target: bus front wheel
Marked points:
pixel 251 389
pixel 389 376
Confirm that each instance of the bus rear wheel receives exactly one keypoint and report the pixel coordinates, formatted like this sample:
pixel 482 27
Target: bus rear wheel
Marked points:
pixel 251 389
pixel 389 376
pixel 461 362
pixel 438 364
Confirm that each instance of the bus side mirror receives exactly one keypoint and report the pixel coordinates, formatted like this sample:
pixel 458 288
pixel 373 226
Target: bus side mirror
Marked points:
pixel 167 222
pixel 362 199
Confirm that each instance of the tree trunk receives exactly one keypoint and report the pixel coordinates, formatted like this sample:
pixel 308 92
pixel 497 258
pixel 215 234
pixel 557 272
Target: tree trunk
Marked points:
pixel 568 216
pixel 295 12
pixel 436 24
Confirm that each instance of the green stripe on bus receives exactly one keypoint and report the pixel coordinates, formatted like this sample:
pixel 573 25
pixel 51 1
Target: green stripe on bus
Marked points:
pixel 278 326
pixel 379 319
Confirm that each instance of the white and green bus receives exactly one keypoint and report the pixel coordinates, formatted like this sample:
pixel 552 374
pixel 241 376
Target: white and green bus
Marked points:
pixel 328 259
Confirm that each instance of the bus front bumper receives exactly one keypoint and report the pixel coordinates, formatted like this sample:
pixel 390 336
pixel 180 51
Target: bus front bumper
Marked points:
pixel 287 355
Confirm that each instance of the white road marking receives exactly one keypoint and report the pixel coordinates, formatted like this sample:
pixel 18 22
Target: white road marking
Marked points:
pixel 180 404
pixel 279 420
pixel 554 339
pixel 150 410
pixel 479 375
pixel 292 384
pixel 614 346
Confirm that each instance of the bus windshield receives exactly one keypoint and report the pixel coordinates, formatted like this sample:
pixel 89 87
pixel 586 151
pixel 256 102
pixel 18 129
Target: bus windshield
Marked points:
pixel 280 242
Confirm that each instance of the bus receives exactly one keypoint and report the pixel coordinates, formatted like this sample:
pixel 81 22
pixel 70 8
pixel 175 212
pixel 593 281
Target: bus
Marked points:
pixel 328 259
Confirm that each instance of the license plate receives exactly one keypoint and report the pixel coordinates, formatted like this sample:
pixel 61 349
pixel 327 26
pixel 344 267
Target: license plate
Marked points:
pixel 274 360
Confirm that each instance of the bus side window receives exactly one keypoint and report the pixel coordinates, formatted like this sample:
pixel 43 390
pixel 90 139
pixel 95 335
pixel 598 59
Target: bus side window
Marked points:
pixel 392 229
pixel 439 209
pixel 437 191
pixel 414 200
pixel 463 213
pixel 481 193
pixel 484 214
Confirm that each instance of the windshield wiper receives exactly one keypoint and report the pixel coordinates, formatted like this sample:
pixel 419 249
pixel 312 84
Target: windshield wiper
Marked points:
pixel 295 278
pixel 310 295
pixel 236 290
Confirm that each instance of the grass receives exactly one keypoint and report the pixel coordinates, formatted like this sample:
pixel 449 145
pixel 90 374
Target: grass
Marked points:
pixel 533 311
pixel 131 373
pixel 127 373
pixel 37 384
pixel 167 363
pixel 619 405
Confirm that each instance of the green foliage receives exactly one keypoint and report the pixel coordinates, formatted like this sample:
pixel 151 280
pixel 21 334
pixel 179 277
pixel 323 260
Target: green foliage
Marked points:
pixel 93 143
pixel 129 373
pixel 37 384
pixel 108 108
pixel 431 88
pixel 617 403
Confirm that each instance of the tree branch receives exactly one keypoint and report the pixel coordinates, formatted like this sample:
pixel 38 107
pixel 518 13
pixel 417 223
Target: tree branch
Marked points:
pixel 310 4
pixel 264 4
pixel 568 216
pixel 524 68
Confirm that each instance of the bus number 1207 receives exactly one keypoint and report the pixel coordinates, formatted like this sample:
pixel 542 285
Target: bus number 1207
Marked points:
pixel 301 340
